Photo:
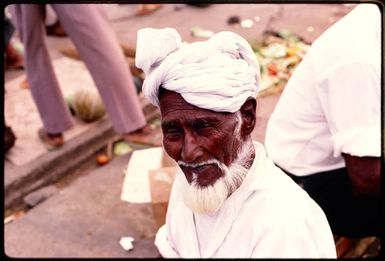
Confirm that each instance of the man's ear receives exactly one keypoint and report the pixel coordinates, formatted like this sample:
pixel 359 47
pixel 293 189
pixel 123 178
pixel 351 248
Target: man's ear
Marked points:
pixel 248 112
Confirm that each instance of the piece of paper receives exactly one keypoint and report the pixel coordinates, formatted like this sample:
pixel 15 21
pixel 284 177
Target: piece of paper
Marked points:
pixel 126 243
pixel 136 186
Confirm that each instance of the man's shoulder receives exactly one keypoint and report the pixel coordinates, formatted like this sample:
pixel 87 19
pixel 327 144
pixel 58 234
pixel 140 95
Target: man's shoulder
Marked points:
pixel 281 197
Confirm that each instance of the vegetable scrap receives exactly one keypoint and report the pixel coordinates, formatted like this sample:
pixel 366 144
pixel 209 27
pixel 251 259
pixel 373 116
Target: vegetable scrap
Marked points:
pixel 278 54
pixel 102 159
pixel 197 31
pixel 86 104
pixel 122 148
pixel 14 217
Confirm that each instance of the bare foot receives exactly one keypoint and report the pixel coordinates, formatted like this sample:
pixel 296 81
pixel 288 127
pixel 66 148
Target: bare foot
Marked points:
pixel 51 141
pixel 56 30
pixel 145 135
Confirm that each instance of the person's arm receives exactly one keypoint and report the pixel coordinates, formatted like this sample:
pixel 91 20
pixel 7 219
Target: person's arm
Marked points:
pixel 352 106
pixel 364 174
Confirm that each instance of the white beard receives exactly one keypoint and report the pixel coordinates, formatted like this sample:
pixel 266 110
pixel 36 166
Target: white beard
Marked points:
pixel 209 199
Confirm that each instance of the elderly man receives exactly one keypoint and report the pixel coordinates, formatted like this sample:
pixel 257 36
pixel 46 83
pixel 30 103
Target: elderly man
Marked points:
pixel 325 130
pixel 229 200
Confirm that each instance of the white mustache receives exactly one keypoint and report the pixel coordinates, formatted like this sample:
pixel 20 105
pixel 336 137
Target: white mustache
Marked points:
pixel 195 165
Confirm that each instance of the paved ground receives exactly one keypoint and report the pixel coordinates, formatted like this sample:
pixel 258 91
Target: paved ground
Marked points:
pixel 87 217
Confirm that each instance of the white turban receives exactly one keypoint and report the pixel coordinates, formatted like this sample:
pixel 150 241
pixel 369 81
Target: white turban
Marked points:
pixel 218 74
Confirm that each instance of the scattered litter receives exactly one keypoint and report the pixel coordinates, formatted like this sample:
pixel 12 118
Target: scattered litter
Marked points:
pixel 233 20
pixel 288 36
pixel 274 50
pixel 14 217
pixel 201 32
pixel 278 53
pixel 102 159
pixel 126 243
pixel 272 69
pixel 236 20
pixel 122 148
pixel 310 29
pixel 247 23
pixel 257 19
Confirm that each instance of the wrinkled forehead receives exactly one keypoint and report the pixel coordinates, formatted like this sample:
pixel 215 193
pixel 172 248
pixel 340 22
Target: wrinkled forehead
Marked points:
pixel 172 106
pixel 169 100
pixel 173 102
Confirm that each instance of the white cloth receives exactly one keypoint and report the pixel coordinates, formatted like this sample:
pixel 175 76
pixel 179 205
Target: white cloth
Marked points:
pixel 268 216
pixel 223 69
pixel 331 103
pixel 204 224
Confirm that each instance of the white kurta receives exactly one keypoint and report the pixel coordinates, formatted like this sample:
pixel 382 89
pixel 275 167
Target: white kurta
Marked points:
pixel 332 102
pixel 268 216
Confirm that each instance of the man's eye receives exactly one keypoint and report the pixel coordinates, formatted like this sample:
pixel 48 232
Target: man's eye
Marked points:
pixel 173 133
pixel 202 125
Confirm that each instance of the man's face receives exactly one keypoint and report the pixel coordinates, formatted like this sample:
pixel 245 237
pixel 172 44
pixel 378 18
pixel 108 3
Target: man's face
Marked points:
pixel 195 138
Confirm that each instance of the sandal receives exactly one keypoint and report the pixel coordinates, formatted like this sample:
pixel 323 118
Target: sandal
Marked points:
pixel 51 141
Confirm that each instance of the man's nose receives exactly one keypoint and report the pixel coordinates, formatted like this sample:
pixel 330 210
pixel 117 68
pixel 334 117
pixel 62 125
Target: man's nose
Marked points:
pixel 191 151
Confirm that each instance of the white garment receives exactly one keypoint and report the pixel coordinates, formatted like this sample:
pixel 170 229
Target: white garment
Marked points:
pixel 268 216
pixel 331 103
pixel 223 69
pixel 204 224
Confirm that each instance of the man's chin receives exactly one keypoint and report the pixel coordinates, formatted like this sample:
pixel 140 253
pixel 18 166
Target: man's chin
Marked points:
pixel 210 198
pixel 205 199
pixel 203 208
